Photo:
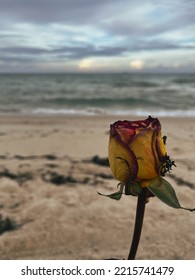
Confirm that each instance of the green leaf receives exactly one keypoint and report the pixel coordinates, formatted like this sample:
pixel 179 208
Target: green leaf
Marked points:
pixel 133 188
pixel 116 195
pixel 164 191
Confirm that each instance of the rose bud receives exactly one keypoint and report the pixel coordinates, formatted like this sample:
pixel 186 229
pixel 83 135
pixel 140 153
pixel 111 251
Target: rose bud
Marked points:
pixel 137 151
pixel 138 159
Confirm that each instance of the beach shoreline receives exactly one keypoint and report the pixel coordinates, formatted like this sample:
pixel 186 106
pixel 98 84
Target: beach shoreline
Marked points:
pixel 49 182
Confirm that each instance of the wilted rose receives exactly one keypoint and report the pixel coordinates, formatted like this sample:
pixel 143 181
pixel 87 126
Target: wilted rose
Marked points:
pixel 137 151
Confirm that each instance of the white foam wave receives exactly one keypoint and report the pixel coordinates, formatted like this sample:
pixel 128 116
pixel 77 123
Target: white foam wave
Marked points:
pixel 51 111
pixel 115 112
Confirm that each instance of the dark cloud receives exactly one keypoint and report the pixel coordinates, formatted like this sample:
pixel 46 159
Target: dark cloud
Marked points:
pixel 22 59
pixel 154 45
pixel 109 15
pixel 44 11
pixel 177 14
pixel 15 59
pixel 90 50
pixel 29 55
pixel 66 52
pixel 23 50
pixel 17 64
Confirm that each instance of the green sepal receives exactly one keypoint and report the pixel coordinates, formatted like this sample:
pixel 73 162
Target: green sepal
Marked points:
pixel 164 191
pixel 133 188
pixel 116 195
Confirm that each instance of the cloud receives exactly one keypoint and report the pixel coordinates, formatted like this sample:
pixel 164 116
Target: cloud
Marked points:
pixel 56 31
pixel 23 50
pixel 63 11
pixel 152 19
pixel 66 51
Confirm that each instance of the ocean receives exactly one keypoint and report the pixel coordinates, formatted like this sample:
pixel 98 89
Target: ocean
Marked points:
pixel 98 94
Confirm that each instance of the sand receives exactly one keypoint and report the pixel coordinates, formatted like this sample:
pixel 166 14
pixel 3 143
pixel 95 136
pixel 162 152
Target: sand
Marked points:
pixel 49 204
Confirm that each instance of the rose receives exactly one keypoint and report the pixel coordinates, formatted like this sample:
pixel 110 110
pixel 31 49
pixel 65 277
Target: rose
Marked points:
pixel 138 159
pixel 137 151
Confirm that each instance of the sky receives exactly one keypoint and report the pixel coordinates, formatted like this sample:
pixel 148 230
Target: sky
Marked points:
pixel 97 36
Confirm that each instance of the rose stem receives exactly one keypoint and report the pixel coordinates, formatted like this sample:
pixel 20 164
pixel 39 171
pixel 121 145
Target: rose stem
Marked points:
pixel 141 202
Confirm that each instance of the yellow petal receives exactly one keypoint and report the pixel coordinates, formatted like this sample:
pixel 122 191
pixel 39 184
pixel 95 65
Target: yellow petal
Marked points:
pixel 142 146
pixel 121 161
pixel 160 146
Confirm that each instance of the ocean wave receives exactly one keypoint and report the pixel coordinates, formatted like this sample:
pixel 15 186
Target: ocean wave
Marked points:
pixel 100 101
pixel 135 84
pixel 111 94
pixel 113 112
pixel 185 80
pixel 52 111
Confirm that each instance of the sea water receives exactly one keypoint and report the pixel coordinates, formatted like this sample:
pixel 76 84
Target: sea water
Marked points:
pixel 98 94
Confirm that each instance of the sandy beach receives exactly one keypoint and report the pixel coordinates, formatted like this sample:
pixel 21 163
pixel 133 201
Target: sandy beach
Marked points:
pixel 50 171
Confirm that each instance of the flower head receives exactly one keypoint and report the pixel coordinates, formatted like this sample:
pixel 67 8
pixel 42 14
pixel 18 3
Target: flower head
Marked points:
pixel 138 159
pixel 137 150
